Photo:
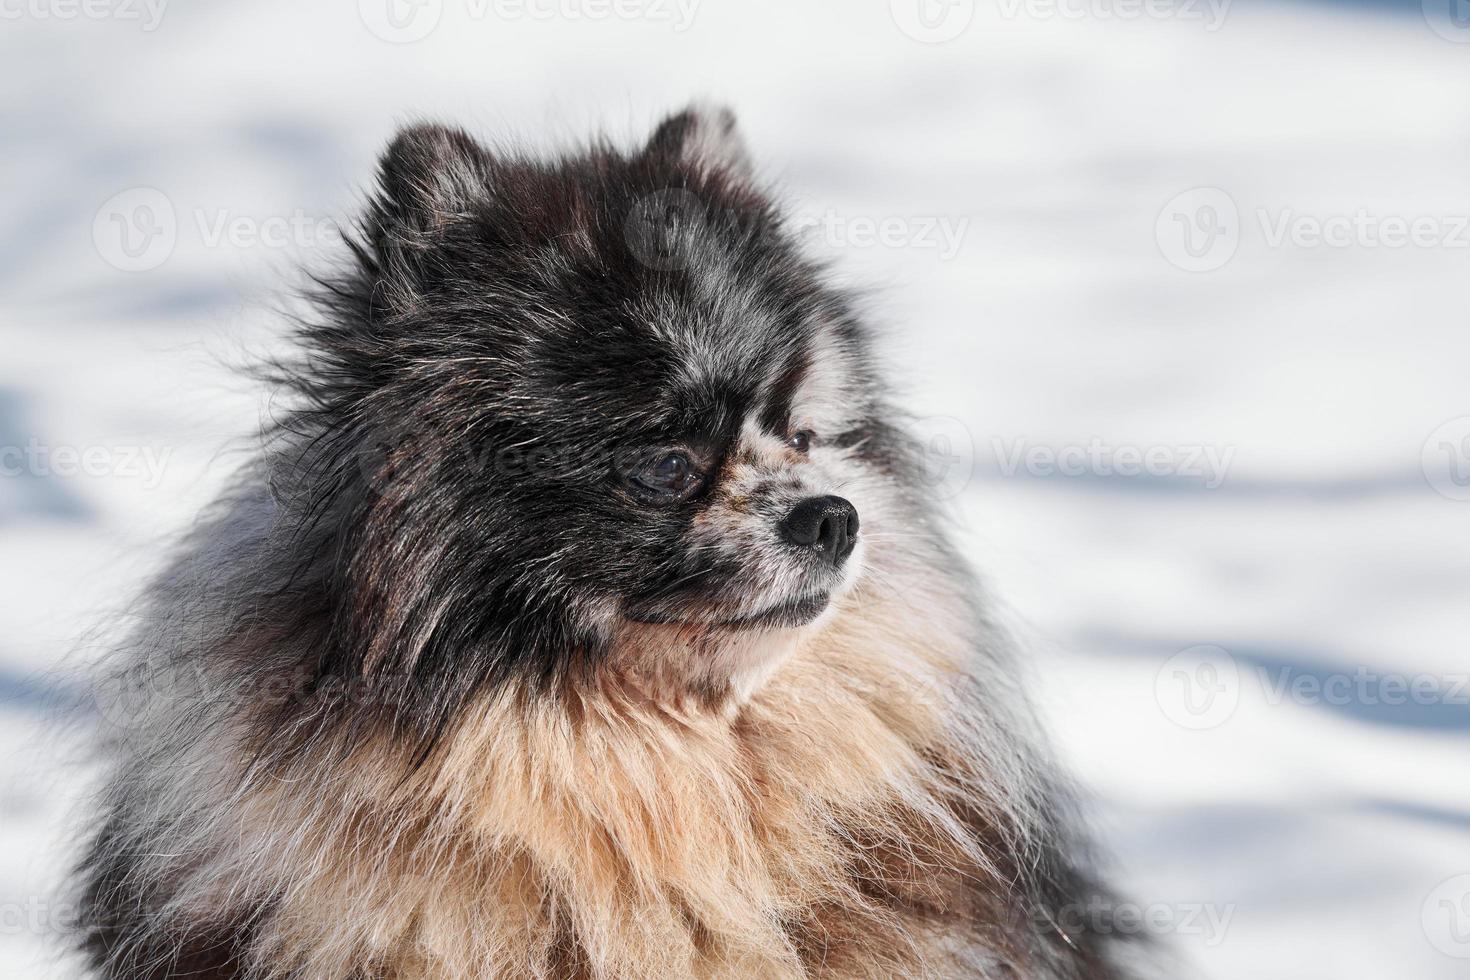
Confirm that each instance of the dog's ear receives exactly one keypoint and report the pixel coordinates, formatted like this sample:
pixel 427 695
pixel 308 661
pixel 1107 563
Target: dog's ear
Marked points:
pixel 703 137
pixel 431 174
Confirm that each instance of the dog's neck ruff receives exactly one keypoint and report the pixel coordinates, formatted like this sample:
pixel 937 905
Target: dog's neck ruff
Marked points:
pixel 835 822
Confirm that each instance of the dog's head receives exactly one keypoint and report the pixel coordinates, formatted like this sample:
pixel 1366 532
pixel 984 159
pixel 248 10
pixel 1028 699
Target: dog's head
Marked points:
pixel 594 403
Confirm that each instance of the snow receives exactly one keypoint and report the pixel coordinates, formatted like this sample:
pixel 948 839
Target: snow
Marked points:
pixel 1324 380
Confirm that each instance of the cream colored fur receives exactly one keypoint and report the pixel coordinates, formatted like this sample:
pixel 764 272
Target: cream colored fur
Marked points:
pixel 617 832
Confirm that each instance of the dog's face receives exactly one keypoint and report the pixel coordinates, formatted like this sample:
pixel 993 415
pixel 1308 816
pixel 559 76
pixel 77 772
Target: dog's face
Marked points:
pixel 712 496
pixel 636 413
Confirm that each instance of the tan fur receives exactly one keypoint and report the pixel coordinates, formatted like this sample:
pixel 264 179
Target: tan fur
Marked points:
pixel 853 798
pixel 395 722
pixel 617 832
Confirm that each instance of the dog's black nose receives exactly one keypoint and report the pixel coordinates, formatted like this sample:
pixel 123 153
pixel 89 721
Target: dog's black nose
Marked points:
pixel 827 525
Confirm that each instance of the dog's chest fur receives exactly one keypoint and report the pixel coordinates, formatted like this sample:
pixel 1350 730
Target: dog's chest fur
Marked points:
pixel 836 824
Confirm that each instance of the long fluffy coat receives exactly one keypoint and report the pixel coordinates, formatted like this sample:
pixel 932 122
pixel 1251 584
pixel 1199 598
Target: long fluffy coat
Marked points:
pixel 400 708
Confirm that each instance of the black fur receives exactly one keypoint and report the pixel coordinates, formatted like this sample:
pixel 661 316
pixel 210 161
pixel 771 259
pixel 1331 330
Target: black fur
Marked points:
pixel 449 485
pixel 495 350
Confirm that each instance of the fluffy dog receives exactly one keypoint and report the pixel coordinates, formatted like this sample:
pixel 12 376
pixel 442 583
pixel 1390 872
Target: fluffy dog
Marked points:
pixel 585 616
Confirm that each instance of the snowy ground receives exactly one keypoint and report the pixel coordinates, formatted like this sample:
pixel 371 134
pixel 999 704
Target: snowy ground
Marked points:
pixel 1254 655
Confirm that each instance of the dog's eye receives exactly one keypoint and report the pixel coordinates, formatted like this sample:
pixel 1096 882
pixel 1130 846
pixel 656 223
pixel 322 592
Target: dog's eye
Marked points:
pixel 666 478
pixel 801 441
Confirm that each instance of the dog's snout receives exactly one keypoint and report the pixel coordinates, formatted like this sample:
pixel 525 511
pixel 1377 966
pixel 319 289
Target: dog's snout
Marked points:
pixel 827 525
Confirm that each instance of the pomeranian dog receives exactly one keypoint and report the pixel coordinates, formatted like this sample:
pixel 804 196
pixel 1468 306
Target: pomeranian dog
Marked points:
pixel 583 615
